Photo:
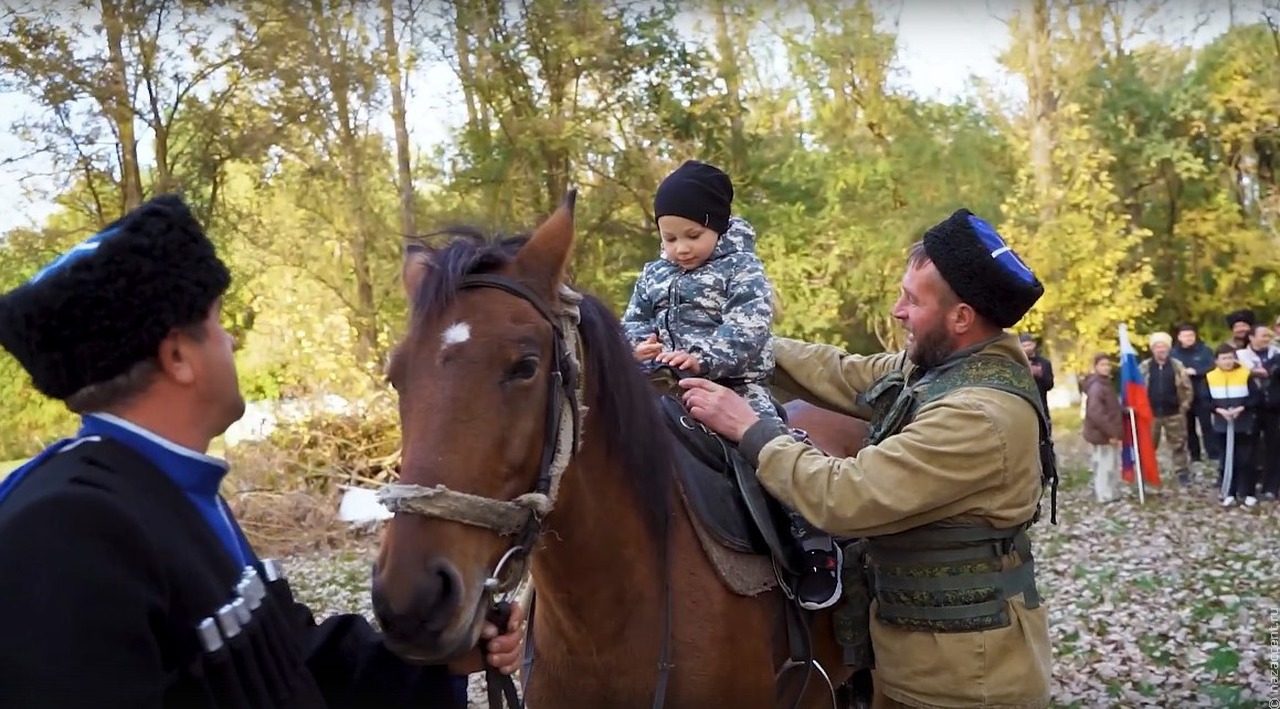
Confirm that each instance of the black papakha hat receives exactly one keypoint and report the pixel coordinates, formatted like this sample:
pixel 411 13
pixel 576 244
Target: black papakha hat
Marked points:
pixel 982 270
pixel 107 303
pixel 1244 315
pixel 698 192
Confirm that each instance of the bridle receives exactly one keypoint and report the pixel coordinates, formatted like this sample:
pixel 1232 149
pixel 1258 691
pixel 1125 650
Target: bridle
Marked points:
pixel 521 517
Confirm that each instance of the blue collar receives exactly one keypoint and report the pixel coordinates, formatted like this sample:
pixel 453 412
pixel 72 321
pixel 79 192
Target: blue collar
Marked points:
pixel 194 472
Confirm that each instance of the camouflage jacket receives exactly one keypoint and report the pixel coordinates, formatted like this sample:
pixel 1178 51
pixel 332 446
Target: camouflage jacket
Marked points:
pixel 721 311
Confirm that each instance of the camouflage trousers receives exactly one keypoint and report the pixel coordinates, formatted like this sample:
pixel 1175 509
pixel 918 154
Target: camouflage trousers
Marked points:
pixel 760 399
pixel 1175 434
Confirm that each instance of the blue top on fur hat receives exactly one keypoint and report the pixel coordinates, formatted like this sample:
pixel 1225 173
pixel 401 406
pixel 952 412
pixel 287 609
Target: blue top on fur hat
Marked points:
pixel 75 253
pixel 1000 251
pixel 981 268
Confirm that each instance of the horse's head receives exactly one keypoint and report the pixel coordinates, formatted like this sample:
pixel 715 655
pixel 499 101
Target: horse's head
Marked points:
pixel 486 377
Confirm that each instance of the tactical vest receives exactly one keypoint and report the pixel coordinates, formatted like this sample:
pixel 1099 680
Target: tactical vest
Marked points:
pixel 945 577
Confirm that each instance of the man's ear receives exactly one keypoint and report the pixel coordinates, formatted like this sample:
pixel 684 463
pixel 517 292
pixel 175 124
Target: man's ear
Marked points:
pixel 963 318
pixel 174 357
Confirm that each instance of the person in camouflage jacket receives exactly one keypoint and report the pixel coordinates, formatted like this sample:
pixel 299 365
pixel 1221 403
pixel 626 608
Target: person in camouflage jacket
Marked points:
pixel 706 304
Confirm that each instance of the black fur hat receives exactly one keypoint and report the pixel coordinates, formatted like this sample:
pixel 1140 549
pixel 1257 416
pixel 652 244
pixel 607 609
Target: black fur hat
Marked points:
pixel 982 269
pixel 107 303
pixel 1245 316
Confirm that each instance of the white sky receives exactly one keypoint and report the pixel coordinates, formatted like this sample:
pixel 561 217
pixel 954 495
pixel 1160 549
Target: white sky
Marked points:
pixel 942 44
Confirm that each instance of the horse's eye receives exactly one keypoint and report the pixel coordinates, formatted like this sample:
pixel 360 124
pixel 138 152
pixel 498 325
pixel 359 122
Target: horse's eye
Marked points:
pixel 526 368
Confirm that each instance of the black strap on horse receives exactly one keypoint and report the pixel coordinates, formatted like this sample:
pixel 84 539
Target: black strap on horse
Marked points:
pixel 501 687
pixel 799 633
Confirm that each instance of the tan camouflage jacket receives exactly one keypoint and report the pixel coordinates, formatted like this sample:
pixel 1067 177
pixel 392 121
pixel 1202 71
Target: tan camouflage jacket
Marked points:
pixel 970 456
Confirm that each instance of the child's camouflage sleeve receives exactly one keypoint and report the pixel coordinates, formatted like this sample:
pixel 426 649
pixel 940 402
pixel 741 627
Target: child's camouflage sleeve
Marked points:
pixel 742 346
pixel 638 319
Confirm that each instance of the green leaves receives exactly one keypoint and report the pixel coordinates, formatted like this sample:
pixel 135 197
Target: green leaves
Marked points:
pixel 1138 180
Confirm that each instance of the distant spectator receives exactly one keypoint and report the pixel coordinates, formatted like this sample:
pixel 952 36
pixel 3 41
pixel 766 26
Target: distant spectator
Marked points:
pixel 1235 397
pixel 1103 429
pixel 1262 359
pixel 1169 390
pixel 1197 359
pixel 1241 322
pixel 1041 368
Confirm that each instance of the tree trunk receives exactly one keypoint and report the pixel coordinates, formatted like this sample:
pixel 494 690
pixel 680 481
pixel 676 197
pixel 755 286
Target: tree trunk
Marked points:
pixel 404 173
pixel 118 107
pixel 463 22
pixel 365 317
pixel 1042 103
pixel 729 69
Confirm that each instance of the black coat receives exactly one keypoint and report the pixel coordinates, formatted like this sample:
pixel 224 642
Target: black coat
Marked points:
pixel 106 569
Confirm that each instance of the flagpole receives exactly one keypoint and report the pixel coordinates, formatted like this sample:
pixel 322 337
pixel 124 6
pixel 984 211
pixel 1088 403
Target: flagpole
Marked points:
pixel 1137 457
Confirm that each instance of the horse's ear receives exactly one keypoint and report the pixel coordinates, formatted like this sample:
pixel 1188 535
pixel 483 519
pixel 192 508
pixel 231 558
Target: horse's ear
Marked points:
pixel 545 257
pixel 417 261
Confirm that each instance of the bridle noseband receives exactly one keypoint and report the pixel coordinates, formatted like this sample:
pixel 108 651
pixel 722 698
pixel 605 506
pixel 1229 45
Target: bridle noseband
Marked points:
pixel 523 515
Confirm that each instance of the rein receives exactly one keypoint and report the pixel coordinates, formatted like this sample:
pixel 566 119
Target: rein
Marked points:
pixel 523 515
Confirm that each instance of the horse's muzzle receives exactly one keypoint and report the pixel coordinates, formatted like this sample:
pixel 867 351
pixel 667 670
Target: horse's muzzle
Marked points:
pixel 424 624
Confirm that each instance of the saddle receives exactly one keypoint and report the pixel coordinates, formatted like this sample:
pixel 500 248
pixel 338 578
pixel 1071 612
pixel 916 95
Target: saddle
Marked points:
pixel 734 510
pixel 721 486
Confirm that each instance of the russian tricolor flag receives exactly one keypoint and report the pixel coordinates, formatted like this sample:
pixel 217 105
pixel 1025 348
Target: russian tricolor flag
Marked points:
pixel 1138 445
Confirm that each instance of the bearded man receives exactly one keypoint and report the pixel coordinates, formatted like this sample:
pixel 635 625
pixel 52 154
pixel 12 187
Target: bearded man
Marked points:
pixel 953 474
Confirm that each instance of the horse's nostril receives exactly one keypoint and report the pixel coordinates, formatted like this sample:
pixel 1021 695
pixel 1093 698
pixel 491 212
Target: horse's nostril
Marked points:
pixel 428 609
pixel 439 594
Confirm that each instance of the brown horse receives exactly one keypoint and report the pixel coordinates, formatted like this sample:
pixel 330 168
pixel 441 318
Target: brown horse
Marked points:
pixel 833 433
pixel 529 432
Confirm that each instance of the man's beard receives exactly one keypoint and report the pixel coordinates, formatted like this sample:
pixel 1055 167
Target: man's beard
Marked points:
pixel 929 347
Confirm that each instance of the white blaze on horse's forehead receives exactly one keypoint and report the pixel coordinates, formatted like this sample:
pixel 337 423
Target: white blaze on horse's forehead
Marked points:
pixel 455 334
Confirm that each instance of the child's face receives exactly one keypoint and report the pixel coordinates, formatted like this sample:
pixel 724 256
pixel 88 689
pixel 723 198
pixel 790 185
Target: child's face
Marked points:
pixel 1227 360
pixel 685 242
pixel 1103 367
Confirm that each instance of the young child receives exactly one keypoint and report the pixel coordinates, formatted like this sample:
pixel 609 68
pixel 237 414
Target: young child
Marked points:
pixel 1234 396
pixel 706 307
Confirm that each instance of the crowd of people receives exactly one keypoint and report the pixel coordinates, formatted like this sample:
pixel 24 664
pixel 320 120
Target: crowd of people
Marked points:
pixel 1215 410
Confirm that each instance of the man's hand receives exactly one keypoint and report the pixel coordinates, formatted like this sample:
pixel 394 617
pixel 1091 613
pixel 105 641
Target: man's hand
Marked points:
pixel 1190 372
pixel 681 360
pixel 1036 370
pixel 718 408
pixel 648 349
pixel 505 651
pixel 1260 372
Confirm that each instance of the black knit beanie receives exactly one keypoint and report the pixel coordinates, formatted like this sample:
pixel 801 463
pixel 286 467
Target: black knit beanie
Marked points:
pixel 698 192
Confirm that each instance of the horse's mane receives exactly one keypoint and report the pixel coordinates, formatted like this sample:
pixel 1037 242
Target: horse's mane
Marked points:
pixel 625 405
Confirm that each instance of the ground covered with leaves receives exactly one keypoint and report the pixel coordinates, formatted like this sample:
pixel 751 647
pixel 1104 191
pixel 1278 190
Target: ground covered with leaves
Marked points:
pixel 1170 603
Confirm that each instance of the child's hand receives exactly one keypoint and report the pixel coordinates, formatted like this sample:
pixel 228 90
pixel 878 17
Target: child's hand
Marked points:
pixel 681 360
pixel 648 349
